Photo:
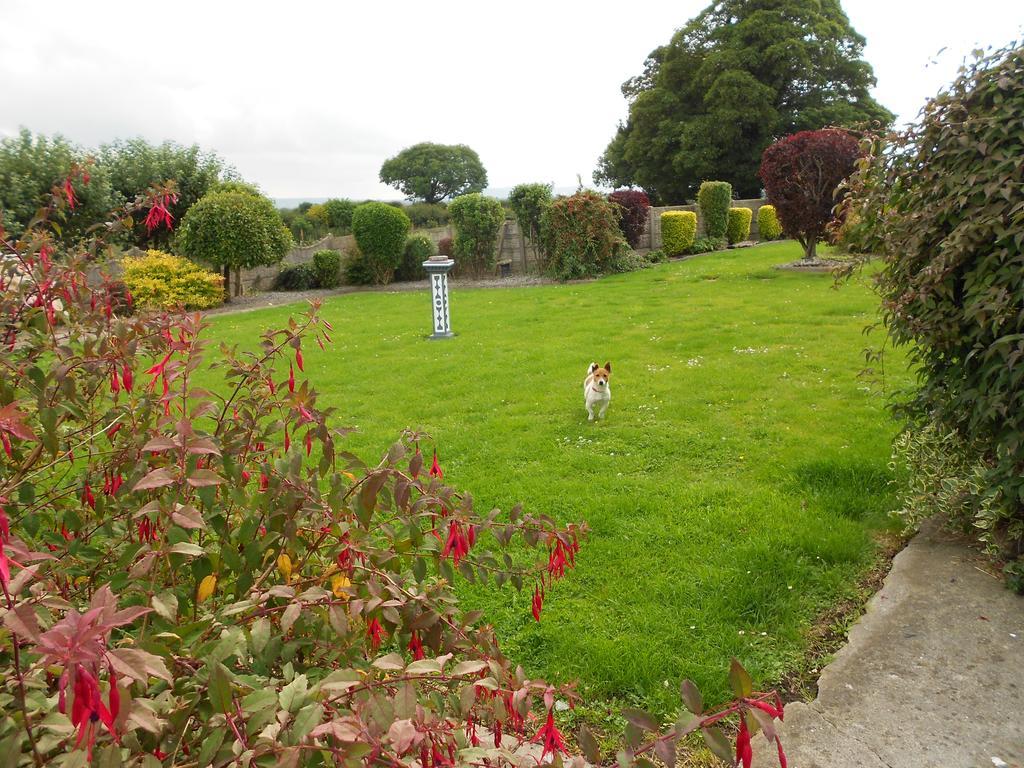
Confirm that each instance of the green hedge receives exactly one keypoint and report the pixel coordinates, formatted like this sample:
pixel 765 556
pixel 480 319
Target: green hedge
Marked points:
pixel 738 227
pixel 327 264
pixel 380 231
pixel 678 230
pixel 768 226
pixel 477 221
pixel 418 249
pixel 714 199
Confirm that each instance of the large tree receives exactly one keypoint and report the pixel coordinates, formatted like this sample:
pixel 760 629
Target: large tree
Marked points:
pixel 737 76
pixel 135 165
pixel 432 172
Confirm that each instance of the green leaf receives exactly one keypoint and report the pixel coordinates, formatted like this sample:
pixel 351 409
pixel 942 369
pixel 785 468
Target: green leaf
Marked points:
pixel 390 662
pixel 259 633
pixel 305 721
pixel 741 683
pixel 187 548
pixel 718 743
pixel 469 667
pixel 166 605
pixel 588 745
pixel 692 699
pixel 641 719
pixel 210 745
pixel 220 688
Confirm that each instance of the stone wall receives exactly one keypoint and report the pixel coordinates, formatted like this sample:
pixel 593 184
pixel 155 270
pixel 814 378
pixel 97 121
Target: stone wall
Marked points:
pixel 512 249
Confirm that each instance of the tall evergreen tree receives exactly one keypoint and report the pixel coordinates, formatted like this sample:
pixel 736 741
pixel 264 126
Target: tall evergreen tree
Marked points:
pixel 734 79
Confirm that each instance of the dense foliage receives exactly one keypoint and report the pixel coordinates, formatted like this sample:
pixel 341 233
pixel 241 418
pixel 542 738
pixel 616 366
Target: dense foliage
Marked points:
pixel 633 209
pixel 232 228
pixel 297 277
pixel 380 231
pixel 135 165
pixel 735 77
pixel 801 175
pixel 159 280
pixel 768 226
pixel 433 172
pixel 427 214
pixel 528 203
pixel 943 202
pixel 418 249
pixel 327 263
pixel 714 199
pixel 581 236
pixel 678 230
pixel 738 228
pixel 30 166
pixel 477 220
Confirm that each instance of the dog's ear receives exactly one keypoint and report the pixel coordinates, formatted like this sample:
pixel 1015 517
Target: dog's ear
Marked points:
pixel 593 367
pixel 608 367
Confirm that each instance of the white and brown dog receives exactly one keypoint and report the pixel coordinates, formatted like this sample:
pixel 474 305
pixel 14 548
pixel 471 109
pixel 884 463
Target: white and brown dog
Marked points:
pixel 597 392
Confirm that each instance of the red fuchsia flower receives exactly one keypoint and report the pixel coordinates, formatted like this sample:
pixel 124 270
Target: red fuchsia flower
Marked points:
pixel 88 497
pixel 157 370
pixel 551 737
pixel 309 443
pixel 538 602
pixel 291 378
pixel 65 533
pixel 127 379
pixel 562 556
pixel 5 538
pixel 375 632
pixel 245 476
pixel 457 545
pixel 147 531
pixel 159 213
pixel 6 443
pixel 782 755
pixel 435 468
pixel 113 431
pixel 264 481
pixel 415 646
pixel 270 383
pixel 298 359
pixel 88 708
pixel 69 193
pixel 287 440
pixel 471 731
pixel 744 753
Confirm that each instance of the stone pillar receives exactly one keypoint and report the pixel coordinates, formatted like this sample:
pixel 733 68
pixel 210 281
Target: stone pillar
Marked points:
pixel 437 268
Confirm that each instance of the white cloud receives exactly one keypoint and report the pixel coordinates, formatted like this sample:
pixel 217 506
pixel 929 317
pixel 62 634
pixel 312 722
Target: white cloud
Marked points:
pixel 308 99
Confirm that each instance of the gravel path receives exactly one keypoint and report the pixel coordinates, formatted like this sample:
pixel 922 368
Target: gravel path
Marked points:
pixel 281 298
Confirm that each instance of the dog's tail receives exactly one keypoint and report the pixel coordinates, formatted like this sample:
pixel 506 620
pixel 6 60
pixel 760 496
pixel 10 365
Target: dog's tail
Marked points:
pixel 593 367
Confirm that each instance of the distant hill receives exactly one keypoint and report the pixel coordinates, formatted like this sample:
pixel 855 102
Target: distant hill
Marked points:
pixel 499 192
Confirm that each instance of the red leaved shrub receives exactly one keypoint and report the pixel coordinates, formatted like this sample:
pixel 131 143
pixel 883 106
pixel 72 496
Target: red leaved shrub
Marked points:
pixel 633 205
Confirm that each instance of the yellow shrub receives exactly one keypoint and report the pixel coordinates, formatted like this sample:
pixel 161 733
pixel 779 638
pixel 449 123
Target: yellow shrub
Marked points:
pixel 161 280
pixel 768 225
pixel 678 230
pixel 738 228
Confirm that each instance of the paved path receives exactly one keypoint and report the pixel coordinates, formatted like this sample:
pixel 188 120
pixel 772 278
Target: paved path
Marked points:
pixel 932 676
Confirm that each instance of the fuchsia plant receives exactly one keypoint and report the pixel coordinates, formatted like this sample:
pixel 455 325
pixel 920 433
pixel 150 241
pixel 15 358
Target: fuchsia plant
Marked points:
pixel 195 577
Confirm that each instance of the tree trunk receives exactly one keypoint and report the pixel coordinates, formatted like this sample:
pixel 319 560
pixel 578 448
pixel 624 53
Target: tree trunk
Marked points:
pixel 238 281
pixel 810 249
pixel 227 284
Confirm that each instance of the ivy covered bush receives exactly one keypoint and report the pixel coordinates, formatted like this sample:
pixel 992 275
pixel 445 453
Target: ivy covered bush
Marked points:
pixel 327 263
pixel 941 203
pixel 477 220
pixel 159 280
pixel 678 230
pixel 418 248
pixel 380 231
pixel 581 236
pixel 528 203
pixel 633 207
pixel 714 199
pixel 738 227
pixel 768 226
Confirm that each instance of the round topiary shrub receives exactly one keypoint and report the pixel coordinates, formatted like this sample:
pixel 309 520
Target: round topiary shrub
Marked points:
pixel 738 227
pixel 768 226
pixel 327 263
pixel 446 246
pixel 633 211
pixel 380 231
pixel 477 221
pixel 581 236
pixel 678 231
pixel 714 198
pixel 418 249
pixel 159 280
pixel 297 277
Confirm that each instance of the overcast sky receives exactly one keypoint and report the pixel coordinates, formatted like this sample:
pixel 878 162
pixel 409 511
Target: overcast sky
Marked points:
pixel 308 99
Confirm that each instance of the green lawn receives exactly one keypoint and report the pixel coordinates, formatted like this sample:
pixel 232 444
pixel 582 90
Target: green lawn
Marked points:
pixel 732 492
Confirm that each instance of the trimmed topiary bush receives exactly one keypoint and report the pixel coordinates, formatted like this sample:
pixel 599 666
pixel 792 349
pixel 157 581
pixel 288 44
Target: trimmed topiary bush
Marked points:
pixel 634 206
pixel 678 230
pixel 738 227
pixel 446 246
pixel 714 199
pixel 380 231
pixel 581 236
pixel 768 226
pixel 477 220
pixel 418 249
pixel 161 280
pixel 528 203
pixel 327 263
